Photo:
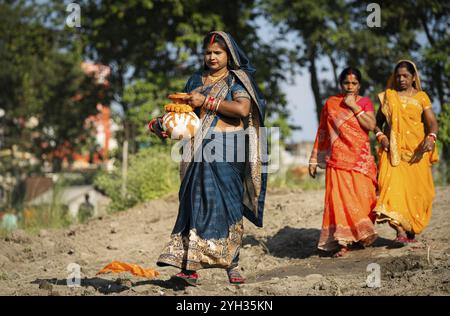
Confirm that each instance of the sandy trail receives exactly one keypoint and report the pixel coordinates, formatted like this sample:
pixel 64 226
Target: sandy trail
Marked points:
pixel 279 259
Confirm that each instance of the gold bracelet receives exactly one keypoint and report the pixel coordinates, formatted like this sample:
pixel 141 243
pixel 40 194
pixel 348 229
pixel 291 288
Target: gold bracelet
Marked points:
pixel 217 105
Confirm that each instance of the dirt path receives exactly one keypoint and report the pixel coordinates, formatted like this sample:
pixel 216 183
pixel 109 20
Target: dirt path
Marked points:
pixel 279 259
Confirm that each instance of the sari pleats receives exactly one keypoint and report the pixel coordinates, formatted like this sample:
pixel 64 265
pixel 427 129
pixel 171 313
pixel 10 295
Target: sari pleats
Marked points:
pixel 349 199
pixel 343 148
pixel 406 189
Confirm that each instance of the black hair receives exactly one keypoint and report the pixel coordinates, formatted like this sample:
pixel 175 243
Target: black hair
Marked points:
pixel 217 39
pixel 350 71
pixel 407 65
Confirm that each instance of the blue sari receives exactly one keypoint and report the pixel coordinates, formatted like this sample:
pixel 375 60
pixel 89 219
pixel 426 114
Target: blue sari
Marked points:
pixel 227 183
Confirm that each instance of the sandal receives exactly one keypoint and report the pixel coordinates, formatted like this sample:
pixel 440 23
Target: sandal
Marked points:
pixel 402 240
pixel 234 277
pixel 190 278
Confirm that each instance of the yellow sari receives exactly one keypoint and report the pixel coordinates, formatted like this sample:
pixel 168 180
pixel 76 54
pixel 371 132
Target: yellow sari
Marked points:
pixel 406 190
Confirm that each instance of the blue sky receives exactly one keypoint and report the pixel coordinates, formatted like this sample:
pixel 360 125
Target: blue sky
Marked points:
pixel 299 95
pixel 302 106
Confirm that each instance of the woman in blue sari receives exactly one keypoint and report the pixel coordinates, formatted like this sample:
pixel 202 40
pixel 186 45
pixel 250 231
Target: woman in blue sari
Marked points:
pixel 224 177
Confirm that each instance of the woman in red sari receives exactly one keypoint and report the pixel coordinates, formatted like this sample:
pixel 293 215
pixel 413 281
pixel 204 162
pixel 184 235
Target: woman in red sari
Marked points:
pixel 342 147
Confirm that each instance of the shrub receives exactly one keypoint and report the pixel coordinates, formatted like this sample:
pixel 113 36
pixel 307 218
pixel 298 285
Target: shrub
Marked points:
pixel 151 174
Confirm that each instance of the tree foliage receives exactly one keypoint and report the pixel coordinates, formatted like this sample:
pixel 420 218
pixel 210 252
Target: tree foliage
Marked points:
pixel 40 78
pixel 152 46
pixel 336 33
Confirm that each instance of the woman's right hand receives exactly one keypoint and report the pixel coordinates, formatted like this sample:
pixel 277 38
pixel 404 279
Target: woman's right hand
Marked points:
pixel 385 143
pixel 312 168
pixel 153 126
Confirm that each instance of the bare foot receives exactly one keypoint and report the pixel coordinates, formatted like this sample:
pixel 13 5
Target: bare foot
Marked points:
pixel 401 233
pixel 341 253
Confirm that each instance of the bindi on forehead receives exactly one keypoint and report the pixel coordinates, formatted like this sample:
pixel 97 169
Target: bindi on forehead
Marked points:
pixel 351 78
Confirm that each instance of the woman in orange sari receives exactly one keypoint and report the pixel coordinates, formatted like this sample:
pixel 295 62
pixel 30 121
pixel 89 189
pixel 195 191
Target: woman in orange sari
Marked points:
pixel 408 150
pixel 342 147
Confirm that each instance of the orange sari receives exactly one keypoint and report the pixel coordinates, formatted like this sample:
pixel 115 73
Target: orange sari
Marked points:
pixel 342 147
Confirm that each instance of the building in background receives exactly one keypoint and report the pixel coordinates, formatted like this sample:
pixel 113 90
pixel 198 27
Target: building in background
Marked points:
pixel 102 126
pixel 72 197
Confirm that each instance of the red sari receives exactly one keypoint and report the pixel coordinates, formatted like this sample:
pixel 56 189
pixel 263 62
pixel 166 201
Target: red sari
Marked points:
pixel 342 147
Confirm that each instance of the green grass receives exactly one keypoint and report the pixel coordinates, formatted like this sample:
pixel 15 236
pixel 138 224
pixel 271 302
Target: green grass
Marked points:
pixel 3 275
pixel 290 180
pixel 51 215
pixel 3 233
pixel 46 216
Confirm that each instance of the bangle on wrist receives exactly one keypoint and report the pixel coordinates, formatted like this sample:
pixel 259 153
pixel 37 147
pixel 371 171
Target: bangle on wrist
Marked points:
pixel 380 137
pixel 159 121
pixel 360 113
pixel 432 139
pixel 432 135
pixel 210 103
pixel 217 105
pixel 150 125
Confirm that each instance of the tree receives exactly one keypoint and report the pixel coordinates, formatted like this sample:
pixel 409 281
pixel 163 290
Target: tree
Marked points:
pixel 40 76
pixel 319 26
pixel 337 32
pixel 155 44
pixel 444 141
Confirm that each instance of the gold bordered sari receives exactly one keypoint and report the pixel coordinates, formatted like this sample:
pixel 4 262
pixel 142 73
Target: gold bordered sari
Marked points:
pixel 214 197
pixel 406 190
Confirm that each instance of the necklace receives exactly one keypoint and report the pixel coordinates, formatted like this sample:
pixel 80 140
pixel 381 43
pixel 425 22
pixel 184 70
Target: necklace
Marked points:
pixel 212 78
pixel 408 94
pixel 411 92
pixel 220 75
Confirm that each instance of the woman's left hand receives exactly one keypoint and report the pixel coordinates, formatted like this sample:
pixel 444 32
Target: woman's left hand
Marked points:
pixel 426 145
pixel 196 99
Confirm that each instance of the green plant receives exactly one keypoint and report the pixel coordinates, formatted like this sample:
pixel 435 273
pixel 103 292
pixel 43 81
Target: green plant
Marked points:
pixel 151 174
pixel 47 215
pixel 298 178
